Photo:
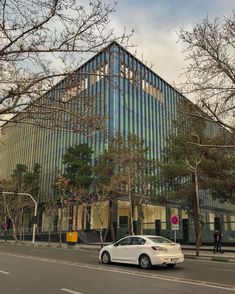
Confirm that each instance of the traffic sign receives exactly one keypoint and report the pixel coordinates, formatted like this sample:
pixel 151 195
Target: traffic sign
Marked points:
pixel 4 226
pixel 175 223
pixel 175 227
pixel 174 220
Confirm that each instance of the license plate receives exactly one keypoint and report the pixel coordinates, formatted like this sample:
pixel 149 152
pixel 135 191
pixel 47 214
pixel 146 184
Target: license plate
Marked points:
pixel 174 260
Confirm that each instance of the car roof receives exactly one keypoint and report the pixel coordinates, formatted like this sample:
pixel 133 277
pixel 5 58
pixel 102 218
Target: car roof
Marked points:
pixel 144 236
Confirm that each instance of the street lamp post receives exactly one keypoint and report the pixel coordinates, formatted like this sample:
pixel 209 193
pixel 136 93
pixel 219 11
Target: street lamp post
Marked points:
pixel 35 210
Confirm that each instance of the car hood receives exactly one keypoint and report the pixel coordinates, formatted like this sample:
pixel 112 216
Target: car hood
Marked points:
pixel 107 246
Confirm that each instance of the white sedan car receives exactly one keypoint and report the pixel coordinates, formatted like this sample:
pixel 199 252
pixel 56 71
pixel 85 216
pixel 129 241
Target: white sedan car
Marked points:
pixel 143 250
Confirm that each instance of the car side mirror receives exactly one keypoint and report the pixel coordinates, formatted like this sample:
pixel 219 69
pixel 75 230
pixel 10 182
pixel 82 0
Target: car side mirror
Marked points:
pixel 115 244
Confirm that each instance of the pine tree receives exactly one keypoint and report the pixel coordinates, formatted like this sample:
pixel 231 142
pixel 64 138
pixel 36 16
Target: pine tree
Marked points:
pixel 78 168
pixel 189 167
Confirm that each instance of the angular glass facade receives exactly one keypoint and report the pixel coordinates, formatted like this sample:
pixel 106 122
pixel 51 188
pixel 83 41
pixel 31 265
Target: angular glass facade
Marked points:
pixel 131 97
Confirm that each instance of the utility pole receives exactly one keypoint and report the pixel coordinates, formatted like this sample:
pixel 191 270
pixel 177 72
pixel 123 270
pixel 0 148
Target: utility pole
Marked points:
pixel 35 209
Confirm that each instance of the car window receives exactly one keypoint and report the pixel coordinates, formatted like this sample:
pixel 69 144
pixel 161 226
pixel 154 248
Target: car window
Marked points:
pixel 126 241
pixel 137 241
pixel 159 240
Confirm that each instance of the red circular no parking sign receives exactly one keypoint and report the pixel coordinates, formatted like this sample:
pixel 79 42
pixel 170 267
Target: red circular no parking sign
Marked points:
pixel 4 226
pixel 174 220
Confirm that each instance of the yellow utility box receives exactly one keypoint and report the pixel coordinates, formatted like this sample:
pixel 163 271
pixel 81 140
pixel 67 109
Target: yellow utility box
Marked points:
pixel 71 237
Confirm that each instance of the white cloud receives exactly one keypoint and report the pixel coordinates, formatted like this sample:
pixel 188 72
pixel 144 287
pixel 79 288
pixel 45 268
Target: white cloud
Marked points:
pixel 156 23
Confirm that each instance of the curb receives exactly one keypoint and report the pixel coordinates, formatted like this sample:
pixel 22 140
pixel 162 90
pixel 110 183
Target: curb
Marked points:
pixel 221 259
pixel 207 249
pixel 190 256
pixel 213 258
pixel 85 248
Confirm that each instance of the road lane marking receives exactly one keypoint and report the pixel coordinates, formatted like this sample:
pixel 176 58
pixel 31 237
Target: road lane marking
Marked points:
pixel 224 270
pixel 3 272
pixel 70 291
pixel 173 279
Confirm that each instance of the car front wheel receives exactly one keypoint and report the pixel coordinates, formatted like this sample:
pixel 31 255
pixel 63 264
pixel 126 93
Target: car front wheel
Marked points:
pixel 145 261
pixel 105 257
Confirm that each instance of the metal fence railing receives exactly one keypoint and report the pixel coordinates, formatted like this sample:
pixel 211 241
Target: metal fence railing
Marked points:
pixel 185 234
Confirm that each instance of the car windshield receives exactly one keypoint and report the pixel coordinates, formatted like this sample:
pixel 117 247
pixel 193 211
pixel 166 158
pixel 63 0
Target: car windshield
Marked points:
pixel 159 240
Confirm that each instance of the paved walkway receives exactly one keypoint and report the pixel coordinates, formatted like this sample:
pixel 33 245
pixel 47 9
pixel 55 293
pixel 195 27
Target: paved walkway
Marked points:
pixel 206 252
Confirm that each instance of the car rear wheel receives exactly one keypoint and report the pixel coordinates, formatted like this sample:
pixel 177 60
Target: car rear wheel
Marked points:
pixel 105 257
pixel 144 261
pixel 170 265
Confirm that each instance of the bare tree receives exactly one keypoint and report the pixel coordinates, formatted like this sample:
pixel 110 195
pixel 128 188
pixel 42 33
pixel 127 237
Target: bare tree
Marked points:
pixel 51 211
pixel 131 173
pixel 193 166
pixel 210 74
pixel 93 204
pixel 12 214
pixel 41 42
pixel 15 206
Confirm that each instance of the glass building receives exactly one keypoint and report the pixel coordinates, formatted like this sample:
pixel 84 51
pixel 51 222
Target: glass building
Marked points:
pixel 133 99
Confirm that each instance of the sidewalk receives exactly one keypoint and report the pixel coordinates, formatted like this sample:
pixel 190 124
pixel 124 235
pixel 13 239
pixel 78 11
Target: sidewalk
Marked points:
pixel 206 252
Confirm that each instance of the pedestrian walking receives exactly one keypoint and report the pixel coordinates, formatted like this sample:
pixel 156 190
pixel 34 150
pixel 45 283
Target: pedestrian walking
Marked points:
pixel 217 242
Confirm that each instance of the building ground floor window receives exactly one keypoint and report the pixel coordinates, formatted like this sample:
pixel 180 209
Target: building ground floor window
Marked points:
pixel 113 218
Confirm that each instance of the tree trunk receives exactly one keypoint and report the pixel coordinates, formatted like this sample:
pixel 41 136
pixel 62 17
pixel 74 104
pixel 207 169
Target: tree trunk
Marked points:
pixel 60 224
pixel 140 219
pixel 113 232
pixel 13 227
pixel 23 232
pixel 131 213
pixel 130 197
pixel 49 235
pixel 14 231
pixel 109 224
pixel 20 231
pixel 197 235
pixel 21 226
pixel 107 230
pixel 197 216
pixel 101 238
pixel 60 229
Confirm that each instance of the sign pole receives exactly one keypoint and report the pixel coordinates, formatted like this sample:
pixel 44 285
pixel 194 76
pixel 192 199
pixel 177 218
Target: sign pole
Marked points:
pixel 175 224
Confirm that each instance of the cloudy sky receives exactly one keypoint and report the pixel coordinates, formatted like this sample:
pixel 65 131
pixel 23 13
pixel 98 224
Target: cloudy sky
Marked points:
pixel 156 23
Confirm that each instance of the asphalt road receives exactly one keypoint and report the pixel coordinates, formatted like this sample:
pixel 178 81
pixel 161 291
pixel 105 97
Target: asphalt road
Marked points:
pixel 38 270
